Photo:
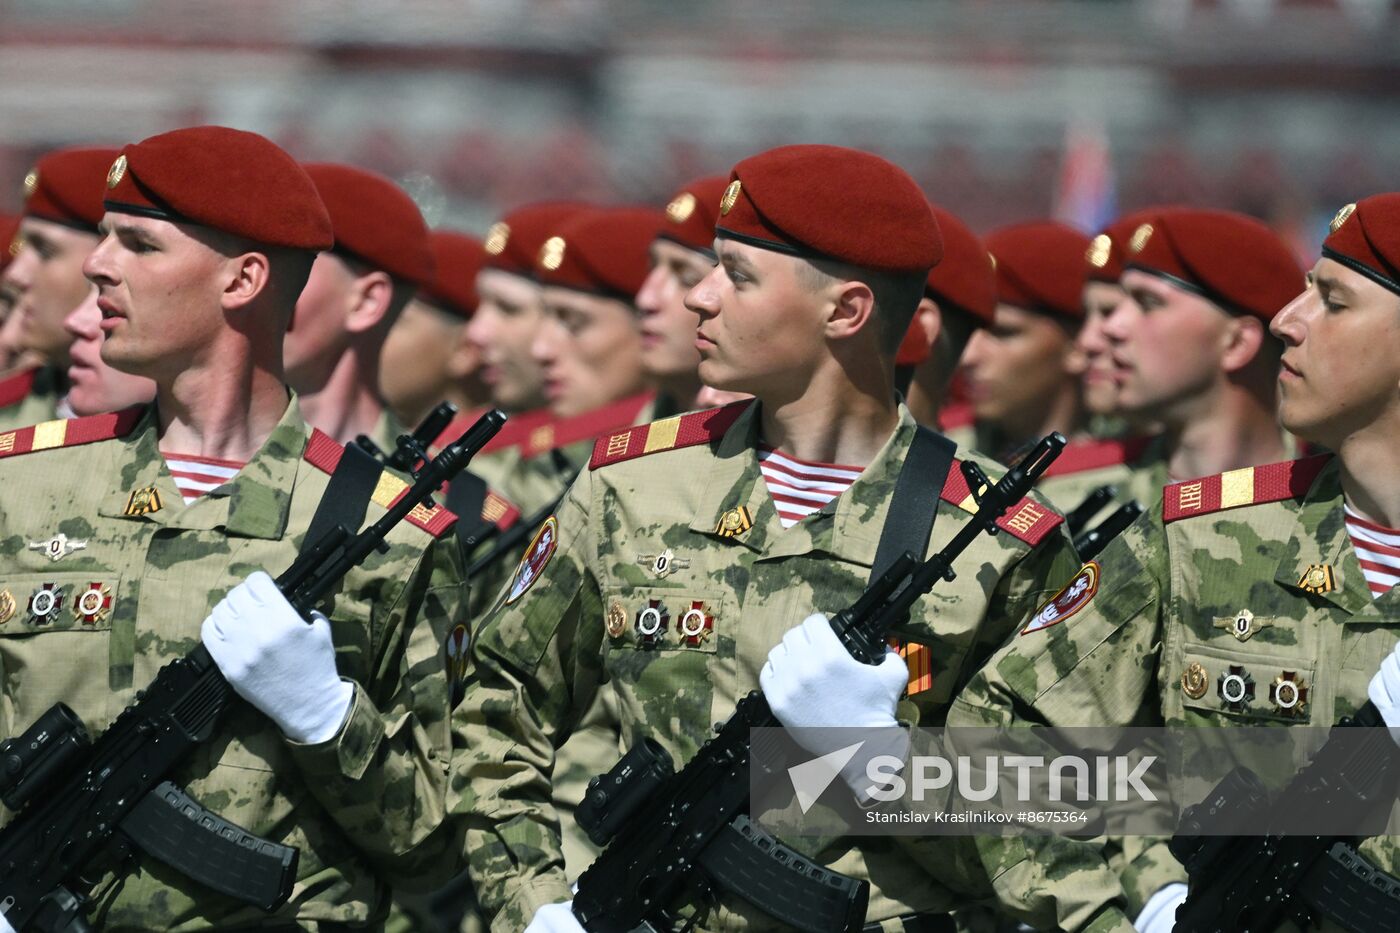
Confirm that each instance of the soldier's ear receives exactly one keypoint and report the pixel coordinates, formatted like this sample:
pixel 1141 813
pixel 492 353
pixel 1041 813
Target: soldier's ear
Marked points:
pixel 852 310
pixel 245 277
pixel 1244 338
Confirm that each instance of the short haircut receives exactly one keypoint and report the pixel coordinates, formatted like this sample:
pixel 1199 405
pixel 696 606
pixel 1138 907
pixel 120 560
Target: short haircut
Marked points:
pixel 896 294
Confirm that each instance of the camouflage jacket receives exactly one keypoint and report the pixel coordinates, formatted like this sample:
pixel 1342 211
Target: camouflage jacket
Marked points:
pixel 1210 584
pixel 690 530
pixel 364 806
pixel 30 396
pixel 1135 467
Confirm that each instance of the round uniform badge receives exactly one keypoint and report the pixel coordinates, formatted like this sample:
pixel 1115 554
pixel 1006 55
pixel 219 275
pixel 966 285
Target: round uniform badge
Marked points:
pixel 7 606
pixel 45 603
pixel 681 207
pixel 536 557
pixel 615 621
pixel 1195 681
pixel 1289 695
pixel 552 253
pixel 730 198
pixel 497 238
pixel 93 604
pixel 116 172
pixel 1099 251
pixel 1074 597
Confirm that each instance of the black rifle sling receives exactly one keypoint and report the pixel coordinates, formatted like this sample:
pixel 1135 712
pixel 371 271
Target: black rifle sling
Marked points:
pixel 914 506
pixel 347 495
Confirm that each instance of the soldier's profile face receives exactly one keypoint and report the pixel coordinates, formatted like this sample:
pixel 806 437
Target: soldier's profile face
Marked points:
pixel 1340 372
pixel 1100 384
pixel 317 336
pixel 590 349
pixel 761 328
pixel 1167 345
pixel 667 325
pixel 93 386
pixel 1019 365
pixel 508 315
pixel 159 288
pixel 47 276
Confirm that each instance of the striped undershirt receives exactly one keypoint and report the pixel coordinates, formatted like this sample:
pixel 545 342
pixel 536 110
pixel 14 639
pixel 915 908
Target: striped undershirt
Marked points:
pixel 1378 549
pixel 801 487
pixel 194 476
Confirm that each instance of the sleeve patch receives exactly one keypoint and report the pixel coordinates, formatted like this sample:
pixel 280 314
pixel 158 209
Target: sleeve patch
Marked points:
pixel 534 561
pixel 1074 597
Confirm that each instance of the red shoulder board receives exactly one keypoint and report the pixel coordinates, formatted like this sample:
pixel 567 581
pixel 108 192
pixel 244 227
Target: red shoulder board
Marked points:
pixel 499 511
pixel 70 433
pixel 14 389
pixel 1027 520
pixel 324 454
pixel 586 426
pixel 1095 455
pixel 1249 486
pixel 697 427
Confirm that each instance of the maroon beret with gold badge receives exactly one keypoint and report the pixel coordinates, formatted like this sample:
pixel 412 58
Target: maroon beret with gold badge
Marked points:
pixel 457 258
pixel 227 179
pixel 513 242
pixel 828 202
pixel 1365 237
pixel 9 239
pixel 1108 252
pixel 65 187
pixel 691 214
pixel 964 279
pixel 603 251
pixel 374 221
pixel 1040 267
pixel 1233 260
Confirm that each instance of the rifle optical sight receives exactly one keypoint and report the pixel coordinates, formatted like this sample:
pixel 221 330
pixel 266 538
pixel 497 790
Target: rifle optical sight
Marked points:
pixel 43 751
pixel 611 798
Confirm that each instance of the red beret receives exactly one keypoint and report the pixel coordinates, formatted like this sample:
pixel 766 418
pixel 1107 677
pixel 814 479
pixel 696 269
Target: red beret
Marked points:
pixel 457 258
pixel 66 187
pixel 1040 267
pixel 965 279
pixel 1365 237
pixel 827 202
pixel 1233 260
pixel 513 242
pixel 9 239
pixel 230 180
pixel 374 221
pixel 603 251
pixel 692 212
pixel 1108 251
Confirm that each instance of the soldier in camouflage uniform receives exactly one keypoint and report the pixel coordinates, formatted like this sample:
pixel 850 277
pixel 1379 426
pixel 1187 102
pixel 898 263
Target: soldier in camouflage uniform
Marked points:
pixel 110 560
pixel 62 207
pixel 669 572
pixel 382 257
pixel 1260 596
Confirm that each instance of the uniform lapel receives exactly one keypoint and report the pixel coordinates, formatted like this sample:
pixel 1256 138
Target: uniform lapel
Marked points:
pixel 1319 540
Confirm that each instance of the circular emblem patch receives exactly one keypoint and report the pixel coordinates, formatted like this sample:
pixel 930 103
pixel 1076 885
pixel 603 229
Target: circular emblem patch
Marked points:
pixel 731 195
pixel 116 172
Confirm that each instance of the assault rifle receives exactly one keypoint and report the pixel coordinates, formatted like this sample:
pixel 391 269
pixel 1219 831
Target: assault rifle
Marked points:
pixel 1078 517
pixel 83 805
pixel 1090 543
pixel 675 837
pixel 1247 883
pixel 412 448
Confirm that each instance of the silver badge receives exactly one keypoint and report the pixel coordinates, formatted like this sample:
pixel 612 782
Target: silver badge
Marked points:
pixel 57 547
pixel 663 564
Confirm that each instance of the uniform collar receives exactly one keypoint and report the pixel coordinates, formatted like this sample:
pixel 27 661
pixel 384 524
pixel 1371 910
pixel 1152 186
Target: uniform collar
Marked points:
pixel 1319 538
pixel 848 529
pixel 254 504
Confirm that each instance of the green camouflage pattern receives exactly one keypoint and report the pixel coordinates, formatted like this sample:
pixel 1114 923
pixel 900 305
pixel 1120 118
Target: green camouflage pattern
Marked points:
pixel 364 808
pixel 546 656
pixel 1168 597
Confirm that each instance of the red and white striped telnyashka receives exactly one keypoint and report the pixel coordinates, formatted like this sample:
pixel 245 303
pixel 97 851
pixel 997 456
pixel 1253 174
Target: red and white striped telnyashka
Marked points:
pixel 194 476
pixel 1378 549
pixel 801 487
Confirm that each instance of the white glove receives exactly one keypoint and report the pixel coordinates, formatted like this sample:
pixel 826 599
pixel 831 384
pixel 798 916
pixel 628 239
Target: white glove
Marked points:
pixel 277 662
pixel 812 683
pixel 1159 914
pixel 5 925
pixel 1384 691
pixel 555 918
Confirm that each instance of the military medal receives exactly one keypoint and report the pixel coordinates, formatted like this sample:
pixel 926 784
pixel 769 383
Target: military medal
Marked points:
pixel 652 622
pixel 1195 680
pixel 1289 695
pixel 1317 579
pixel 696 624
pixel 663 564
pixel 143 501
pixel 734 522
pixel 93 604
pixel 45 603
pixel 615 621
pixel 7 606
pixel 1235 688
pixel 57 547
